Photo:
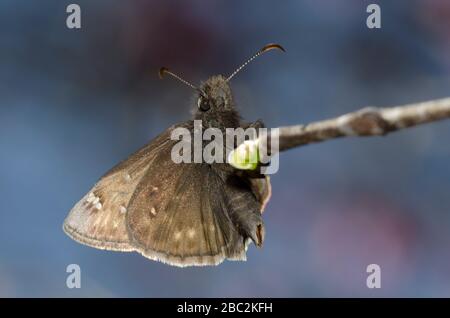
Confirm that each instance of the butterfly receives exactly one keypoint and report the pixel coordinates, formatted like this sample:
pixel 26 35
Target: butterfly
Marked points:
pixel 182 214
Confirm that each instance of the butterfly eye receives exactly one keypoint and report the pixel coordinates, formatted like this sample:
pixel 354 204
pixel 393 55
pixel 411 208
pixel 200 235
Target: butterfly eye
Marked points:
pixel 203 104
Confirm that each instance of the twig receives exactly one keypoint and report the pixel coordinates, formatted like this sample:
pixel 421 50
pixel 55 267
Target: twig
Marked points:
pixel 370 121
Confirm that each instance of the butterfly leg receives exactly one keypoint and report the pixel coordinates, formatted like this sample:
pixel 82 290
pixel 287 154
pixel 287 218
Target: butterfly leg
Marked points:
pixel 244 210
pixel 250 224
pixel 256 124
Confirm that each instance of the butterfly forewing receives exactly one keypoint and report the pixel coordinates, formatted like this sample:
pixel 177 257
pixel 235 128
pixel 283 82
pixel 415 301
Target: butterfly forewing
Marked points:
pixel 98 219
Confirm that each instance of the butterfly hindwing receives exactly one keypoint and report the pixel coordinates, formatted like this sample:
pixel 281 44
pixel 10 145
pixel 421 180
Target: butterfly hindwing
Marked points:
pixel 178 215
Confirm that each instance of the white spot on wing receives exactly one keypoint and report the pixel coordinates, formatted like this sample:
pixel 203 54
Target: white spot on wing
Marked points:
pixel 123 209
pixel 96 200
pixel 153 210
pixel 191 233
pixel 90 197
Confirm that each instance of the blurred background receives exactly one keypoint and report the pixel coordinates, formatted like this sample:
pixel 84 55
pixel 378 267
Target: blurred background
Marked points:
pixel 73 103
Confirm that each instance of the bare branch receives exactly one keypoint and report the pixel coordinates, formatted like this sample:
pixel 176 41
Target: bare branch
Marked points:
pixel 368 121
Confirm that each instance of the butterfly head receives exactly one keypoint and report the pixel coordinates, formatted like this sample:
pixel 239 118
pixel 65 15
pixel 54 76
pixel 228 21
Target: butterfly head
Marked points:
pixel 214 95
pixel 214 104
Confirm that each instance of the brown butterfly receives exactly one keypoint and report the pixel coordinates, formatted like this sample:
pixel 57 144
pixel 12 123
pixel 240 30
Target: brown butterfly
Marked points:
pixel 182 214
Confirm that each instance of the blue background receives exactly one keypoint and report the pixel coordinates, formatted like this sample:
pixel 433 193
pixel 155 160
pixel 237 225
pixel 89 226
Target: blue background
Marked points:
pixel 73 103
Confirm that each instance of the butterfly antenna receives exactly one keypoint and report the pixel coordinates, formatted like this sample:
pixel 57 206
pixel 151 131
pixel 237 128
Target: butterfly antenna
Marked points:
pixel 164 70
pixel 266 48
